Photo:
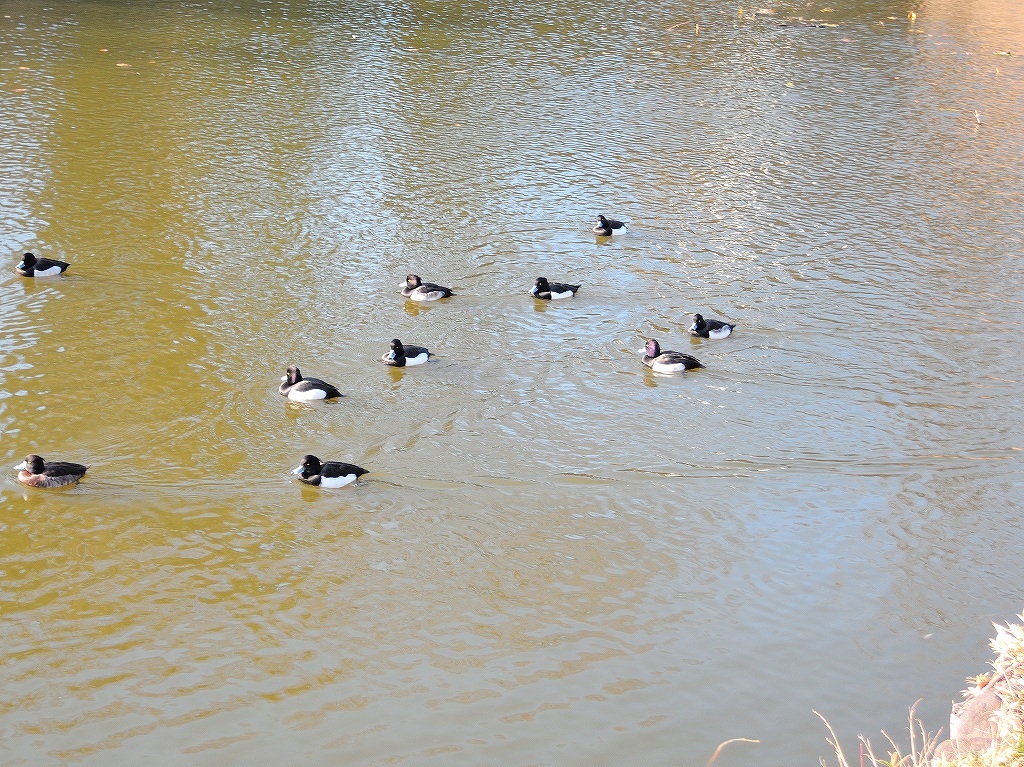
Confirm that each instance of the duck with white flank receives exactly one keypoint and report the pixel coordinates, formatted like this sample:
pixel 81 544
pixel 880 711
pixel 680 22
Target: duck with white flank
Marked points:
pixel 607 226
pixel 35 472
pixel 667 361
pixel 551 290
pixel 31 266
pixel 327 474
pixel 405 355
pixel 710 328
pixel 416 289
pixel 300 389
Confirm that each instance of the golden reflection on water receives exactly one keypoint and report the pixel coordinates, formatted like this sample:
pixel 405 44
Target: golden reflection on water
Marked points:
pixel 559 556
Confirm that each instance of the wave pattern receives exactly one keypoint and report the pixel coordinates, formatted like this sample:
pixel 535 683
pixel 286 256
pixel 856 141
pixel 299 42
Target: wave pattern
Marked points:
pixel 557 553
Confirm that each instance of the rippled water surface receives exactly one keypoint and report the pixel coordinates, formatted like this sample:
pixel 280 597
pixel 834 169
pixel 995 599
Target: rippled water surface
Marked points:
pixel 558 558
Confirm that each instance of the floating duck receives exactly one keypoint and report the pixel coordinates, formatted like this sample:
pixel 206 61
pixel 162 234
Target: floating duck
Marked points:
pixel 667 361
pixel 327 474
pixel 607 226
pixel 552 290
pixel 31 266
pixel 300 389
pixel 416 290
pixel 710 328
pixel 404 355
pixel 35 472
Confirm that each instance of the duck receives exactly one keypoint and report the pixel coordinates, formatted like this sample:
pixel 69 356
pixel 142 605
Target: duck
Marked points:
pixel 607 226
pixel 405 355
pixel 31 266
pixel 36 472
pixel 313 471
pixel 300 389
pixel 416 289
pixel 710 328
pixel 550 290
pixel 667 361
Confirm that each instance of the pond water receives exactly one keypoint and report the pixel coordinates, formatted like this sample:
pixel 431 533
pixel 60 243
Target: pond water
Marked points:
pixel 559 557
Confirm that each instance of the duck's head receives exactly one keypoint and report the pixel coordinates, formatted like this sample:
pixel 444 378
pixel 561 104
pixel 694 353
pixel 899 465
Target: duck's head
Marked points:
pixel 413 281
pixel 32 463
pixel 309 467
pixel 27 261
pixel 540 285
pixel 602 221
pixel 293 376
pixel 698 322
pixel 653 348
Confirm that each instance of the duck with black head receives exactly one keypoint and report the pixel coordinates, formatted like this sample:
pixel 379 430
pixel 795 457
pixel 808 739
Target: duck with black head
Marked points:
pixel 31 266
pixel 36 472
pixel 416 289
pixel 549 291
pixel 313 471
pixel 606 226
pixel 295 387
pixel 405 355
pixel 667 361
pixel 705 328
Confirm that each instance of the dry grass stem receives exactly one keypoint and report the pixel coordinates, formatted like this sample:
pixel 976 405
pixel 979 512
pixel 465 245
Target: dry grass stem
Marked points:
pixel 726 743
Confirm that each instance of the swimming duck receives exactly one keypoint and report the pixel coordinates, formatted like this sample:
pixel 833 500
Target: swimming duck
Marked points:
pixel 31 266
pixel 667 361
pixel 295 387
pixel 404 355
pixel 710 328
pixel 416 290
pixel 549 290
pixel 606 226
pixel 36 472
pixel 327 474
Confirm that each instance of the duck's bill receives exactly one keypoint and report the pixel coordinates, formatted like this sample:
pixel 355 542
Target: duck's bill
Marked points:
pixel 21 466
pixel 297 471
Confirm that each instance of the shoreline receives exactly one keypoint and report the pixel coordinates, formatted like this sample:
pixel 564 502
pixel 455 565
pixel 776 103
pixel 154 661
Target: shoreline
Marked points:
pixel 986 729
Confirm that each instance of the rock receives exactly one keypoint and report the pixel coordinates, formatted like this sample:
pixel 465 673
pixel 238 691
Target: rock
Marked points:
pixel 972 726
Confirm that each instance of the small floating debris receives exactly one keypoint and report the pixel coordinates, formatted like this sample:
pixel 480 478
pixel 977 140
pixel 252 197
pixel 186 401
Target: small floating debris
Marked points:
pixel 122 64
